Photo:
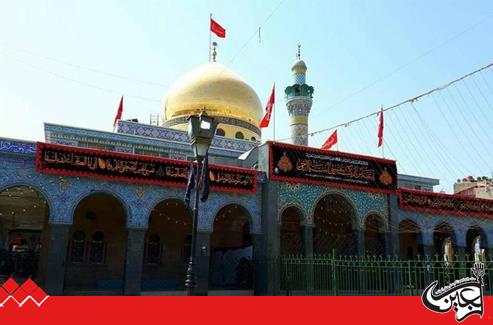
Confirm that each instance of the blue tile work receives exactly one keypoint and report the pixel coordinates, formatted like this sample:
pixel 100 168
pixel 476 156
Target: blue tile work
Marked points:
pixel 59 133
pixel 143 136
pixel 158 132
pixel 63 193
pixel 307 196
pixel 12 146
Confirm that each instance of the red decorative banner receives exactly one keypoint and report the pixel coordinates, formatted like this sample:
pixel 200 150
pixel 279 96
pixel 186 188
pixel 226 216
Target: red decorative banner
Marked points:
pixel 444 203
pixel 74 161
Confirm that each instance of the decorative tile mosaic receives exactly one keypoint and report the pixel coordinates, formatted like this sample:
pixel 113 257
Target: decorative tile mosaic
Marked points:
pixel 307 196
pixel 63 194
pixel 17 146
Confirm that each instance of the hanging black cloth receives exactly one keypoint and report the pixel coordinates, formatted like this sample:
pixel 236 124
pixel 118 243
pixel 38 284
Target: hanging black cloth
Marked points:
pixel 190 185
pixel 205 180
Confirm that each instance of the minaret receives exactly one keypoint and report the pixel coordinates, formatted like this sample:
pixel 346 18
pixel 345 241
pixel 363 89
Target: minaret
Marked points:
pixel 299 102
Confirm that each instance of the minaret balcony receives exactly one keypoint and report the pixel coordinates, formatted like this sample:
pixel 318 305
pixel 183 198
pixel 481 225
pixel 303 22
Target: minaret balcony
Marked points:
pixel 299 91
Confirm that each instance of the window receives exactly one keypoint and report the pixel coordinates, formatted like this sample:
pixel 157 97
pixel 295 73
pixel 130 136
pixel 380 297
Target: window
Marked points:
pixel 220 132
pixel 164 154
pixel 100 146
pixel 144 152
pixel 239 135
pixel 77 251
pixel 254 139
pixel 97 251
pixel 152 252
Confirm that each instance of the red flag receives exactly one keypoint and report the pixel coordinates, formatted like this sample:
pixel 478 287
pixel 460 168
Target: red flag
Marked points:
pixel 332 140
pixel 217 29
pixel 118 112
pixel 380 128
pixel 268 109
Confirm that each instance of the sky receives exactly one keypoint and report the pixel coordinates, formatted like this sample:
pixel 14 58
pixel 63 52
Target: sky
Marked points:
pixel 68 62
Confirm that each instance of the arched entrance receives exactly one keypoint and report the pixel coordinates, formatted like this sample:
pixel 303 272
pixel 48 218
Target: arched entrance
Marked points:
pixel 333 230
pixel 374 236
pixel 474 234
pixel 24 234
pixel 441 233
pixel 231 265
pixel 410 240
pixel 97 246
pixel 167 246
pixel 291 232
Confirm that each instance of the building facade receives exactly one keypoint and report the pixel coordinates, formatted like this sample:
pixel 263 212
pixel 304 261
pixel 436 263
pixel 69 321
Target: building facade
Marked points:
pixel 480 187
pixel 89 212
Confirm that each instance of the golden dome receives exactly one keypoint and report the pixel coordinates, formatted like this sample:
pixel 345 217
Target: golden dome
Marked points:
pixel 221 92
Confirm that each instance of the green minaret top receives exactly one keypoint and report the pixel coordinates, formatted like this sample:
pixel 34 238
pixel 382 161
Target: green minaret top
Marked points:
pixel 299 88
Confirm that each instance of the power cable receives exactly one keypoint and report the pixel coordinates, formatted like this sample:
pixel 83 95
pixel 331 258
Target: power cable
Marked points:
pixel 82 83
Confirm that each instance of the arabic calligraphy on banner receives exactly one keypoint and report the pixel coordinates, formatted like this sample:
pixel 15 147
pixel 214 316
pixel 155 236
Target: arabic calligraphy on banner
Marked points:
pixel 309 165
pixel 56 159
pixel 444 203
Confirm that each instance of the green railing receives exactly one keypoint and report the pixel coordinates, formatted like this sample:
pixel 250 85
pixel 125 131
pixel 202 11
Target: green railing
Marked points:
pixel 369 275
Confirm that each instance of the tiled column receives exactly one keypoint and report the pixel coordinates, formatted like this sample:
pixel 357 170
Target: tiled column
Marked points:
pixel 57 253
pixel 259 264
pixel 271 230
pixel 360 235
pixel 202 260
pixel 428 244
pixel 133 264
pixel 3 235
pixel 308 240
pixel 361 255
pixel 308 250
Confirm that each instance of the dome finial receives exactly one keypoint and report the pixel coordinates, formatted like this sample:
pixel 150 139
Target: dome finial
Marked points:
pixel 213 51
pixel 298 54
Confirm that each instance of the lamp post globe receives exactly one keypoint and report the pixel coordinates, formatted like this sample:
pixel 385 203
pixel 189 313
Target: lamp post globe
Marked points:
pixel 201 130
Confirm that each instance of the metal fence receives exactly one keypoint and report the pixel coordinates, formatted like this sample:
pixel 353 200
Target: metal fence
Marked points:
pixel 369 275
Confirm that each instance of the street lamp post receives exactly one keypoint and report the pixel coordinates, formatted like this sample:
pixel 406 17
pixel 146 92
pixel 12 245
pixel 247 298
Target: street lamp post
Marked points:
pixel 201 130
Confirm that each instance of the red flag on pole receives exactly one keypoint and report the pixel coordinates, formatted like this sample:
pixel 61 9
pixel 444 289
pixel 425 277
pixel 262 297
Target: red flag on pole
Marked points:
pixel 268 109
pixel 118 112
pixel 217 29
pixel 332 140
pixel 380 128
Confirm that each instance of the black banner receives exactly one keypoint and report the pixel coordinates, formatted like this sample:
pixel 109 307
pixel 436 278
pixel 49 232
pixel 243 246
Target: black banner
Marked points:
pixel 56 159
pixel 309 165
pixel 444 203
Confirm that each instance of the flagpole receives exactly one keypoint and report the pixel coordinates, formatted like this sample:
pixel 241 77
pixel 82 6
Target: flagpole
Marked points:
pixel 210 37
pixel 274 109
pixel 274 120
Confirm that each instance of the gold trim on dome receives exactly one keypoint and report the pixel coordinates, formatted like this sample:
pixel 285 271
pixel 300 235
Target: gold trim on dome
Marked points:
pixel 298 70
